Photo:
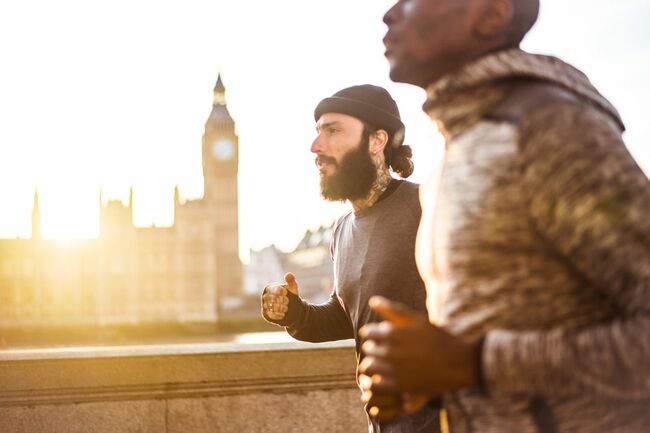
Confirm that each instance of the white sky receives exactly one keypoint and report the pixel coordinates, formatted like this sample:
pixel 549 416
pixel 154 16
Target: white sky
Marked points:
pixel 115 93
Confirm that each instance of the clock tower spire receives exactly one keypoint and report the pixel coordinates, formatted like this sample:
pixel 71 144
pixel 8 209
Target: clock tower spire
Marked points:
pixel 220 145
pixel 219 92
pixel 220 168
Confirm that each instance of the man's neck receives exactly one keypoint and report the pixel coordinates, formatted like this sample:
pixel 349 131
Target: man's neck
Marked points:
pixel 442 70
pixel 376 190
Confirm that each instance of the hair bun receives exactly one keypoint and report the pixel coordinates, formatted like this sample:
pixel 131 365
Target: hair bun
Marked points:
pixel 401 161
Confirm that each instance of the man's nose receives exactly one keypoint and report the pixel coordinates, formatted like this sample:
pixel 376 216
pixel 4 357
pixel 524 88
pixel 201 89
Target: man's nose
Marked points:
pixel 317 145
pixel 391 14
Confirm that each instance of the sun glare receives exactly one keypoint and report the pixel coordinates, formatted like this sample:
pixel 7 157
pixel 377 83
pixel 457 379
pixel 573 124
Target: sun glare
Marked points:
pixel 67 210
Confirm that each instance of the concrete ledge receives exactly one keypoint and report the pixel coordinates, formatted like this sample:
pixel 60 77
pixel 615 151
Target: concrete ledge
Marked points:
pixel 65 376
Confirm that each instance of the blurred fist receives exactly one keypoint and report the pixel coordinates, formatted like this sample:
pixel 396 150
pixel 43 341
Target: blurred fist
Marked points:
pixel 275 302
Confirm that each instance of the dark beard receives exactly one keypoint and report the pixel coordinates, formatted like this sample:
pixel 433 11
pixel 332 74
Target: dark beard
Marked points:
pixel 354 176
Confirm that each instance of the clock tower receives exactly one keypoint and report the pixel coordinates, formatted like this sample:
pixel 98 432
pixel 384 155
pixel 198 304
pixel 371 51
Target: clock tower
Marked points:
pixel 220 167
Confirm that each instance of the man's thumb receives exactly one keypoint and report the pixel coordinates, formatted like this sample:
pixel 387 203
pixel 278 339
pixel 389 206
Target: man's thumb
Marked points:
pixel 394 312
pixel 292 285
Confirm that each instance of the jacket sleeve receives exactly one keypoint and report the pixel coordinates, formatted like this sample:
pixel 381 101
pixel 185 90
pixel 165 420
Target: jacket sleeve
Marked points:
pixel 591 202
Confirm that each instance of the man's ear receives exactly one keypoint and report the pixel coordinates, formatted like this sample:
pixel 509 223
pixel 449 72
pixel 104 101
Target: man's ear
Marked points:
pixel 378 141
pixel 494 18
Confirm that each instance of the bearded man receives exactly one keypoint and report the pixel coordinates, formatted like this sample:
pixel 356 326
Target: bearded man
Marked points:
pixel 360 137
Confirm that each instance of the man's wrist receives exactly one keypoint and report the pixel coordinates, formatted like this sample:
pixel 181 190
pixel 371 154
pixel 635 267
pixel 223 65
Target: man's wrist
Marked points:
pixel 472 370
pixel 293 309
pixel 478 365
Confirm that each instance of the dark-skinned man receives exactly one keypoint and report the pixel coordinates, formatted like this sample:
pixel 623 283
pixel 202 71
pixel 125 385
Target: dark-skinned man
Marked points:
pixel 359 139
pixel 534 243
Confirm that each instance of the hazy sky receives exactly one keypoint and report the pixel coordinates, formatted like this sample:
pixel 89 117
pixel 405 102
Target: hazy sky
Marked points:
pixel 116 93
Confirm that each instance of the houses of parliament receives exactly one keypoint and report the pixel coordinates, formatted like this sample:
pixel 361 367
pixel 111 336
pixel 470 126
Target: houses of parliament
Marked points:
pixel 127 275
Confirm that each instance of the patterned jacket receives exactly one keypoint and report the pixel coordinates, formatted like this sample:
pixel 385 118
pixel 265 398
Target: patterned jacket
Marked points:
pixel 537 237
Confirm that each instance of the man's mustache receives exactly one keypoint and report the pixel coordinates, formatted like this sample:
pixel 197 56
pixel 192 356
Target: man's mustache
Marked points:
pixel 325 160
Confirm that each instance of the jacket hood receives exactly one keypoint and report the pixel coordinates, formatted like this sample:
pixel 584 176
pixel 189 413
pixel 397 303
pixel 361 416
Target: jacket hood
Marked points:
pixel 515 63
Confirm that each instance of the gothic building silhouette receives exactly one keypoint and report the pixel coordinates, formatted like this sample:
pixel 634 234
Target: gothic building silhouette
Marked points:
pixel 186 272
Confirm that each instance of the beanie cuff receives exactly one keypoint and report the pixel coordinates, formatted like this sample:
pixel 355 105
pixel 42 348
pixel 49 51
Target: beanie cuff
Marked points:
pixel 370 114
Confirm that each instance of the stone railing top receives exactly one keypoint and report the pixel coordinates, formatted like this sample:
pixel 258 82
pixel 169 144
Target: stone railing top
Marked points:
pixel 157 350
pixel 72 375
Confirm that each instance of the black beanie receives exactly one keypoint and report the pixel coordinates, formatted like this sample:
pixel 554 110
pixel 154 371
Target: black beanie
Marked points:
pixel 370 104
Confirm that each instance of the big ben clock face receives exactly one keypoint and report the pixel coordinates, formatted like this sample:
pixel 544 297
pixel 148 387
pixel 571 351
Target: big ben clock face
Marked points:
pixel 223 149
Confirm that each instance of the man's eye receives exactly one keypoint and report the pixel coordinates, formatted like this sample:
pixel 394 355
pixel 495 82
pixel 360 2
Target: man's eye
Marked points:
pixel 333 130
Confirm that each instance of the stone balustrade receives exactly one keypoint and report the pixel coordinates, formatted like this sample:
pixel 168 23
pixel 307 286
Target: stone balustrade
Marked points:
pixel 188 388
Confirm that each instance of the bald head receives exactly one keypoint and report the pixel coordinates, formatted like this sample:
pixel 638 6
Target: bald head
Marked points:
pixel 427 39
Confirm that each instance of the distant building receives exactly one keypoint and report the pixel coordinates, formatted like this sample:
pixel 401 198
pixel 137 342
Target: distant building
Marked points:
pixel 266 266
pixel 310 261
pixel 186 272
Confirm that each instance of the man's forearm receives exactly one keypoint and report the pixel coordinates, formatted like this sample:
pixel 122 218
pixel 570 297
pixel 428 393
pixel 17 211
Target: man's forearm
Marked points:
pixel 318 323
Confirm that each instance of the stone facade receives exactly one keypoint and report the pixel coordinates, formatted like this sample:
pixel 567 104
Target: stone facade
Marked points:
pixel 185 272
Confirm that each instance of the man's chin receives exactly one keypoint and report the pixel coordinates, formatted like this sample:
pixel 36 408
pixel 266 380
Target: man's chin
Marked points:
pixel 400 72
pixel 327 196
pixel 327 192
pixel 396 74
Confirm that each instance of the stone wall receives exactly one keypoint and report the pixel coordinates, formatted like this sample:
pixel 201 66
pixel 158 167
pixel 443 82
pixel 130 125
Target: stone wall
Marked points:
pixel 216 388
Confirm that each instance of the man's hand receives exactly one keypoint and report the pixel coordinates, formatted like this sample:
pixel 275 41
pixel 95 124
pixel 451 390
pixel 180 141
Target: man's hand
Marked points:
pixel 275 302
pixel 407 355
pixel 388 406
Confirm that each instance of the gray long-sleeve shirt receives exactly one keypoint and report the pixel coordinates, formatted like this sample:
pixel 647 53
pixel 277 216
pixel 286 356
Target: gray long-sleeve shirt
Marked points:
pixel 373 254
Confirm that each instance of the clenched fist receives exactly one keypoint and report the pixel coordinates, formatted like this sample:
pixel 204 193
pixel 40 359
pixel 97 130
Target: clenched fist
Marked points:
pixel 275 302
pixel 408 358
